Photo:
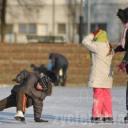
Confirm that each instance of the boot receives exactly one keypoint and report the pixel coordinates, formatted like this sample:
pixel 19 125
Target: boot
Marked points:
pixel 126 118
pixel 19 116
pixel 107 119
pixel 40 120
pixel 96 120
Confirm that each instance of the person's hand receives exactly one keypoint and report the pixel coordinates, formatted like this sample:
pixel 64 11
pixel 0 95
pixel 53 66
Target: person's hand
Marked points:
pixel 121 67
pixel 95 32
pixel 119 49
pixel 40 120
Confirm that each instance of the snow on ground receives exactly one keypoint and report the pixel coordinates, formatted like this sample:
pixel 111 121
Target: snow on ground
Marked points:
pixel 66 108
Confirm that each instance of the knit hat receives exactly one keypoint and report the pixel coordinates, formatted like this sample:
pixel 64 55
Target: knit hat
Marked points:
pixel 101 36
pixel 123 15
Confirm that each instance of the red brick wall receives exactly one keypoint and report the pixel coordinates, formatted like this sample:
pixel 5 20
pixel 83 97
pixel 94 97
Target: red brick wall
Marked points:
pixel 15 57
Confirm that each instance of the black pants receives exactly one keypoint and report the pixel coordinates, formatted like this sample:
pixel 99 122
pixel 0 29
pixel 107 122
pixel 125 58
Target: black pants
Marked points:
pixel 8 102
pixel 61 80
pixel 11 101
pixel 127 97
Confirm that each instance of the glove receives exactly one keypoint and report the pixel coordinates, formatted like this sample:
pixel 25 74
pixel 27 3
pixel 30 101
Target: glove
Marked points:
pixel 119 49
pixel 95 32
pixel 40 120
pixel 121 67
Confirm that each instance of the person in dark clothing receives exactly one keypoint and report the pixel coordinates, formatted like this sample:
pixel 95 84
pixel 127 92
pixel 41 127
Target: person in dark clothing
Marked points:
pixel 123 47
pixel 58 64
pixel 31 90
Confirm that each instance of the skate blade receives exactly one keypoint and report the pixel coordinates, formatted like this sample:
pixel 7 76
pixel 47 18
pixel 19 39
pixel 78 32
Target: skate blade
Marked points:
pixel 126 121
pixel 45 120
pixel 20 118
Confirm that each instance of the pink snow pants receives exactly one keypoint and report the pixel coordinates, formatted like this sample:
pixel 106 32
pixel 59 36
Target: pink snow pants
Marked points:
pixel 102 102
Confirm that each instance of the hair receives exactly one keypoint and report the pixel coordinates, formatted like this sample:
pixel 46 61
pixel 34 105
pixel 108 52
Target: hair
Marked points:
pixel 110 49
pixel 123 15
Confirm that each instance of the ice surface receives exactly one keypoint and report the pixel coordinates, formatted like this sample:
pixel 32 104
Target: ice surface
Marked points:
pixel 66 108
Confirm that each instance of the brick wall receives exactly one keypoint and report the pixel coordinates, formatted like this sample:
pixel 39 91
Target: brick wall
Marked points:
pixel 15 57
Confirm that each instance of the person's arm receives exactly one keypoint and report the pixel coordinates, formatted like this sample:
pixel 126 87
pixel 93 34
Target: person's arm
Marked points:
pixel 49 91
pixel 88 43
pixel 37 107
pixel 123 65
pixel 126 41
pixel 119 48
pixel 125 59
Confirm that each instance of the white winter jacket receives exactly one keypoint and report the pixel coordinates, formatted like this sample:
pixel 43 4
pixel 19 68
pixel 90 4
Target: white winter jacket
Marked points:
pixel 101 71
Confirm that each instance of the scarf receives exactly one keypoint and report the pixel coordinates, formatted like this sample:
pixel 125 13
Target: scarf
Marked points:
pixel 101 36
pixel 122 42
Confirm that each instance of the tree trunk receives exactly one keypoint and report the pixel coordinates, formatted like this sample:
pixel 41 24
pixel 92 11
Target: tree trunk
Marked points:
pixel 3 20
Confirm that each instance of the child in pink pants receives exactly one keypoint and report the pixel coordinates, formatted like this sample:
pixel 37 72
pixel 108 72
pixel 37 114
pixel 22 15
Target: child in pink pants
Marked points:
pixel 102 103
pixel 101 75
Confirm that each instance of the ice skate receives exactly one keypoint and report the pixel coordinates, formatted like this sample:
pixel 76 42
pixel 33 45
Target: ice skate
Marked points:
pixel 126 118
pixel 40 120
pixel 19 116
pixel 96 120
pixel 107 119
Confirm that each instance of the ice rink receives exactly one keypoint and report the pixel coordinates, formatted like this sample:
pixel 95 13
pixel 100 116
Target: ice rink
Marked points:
pixel 68 107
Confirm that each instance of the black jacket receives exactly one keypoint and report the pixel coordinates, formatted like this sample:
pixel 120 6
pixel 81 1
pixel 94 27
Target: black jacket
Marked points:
pixel 58 61
pixel 125 49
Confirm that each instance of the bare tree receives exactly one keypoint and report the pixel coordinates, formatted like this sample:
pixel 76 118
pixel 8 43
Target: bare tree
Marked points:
pixel 3 4
pixel 26 6
pixel 30 7
pixel 72 12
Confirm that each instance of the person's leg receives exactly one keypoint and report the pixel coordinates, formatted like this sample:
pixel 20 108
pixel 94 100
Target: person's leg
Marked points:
pixel 126 117
pixel 56 71
pixel 107 106
pixel 21 105
pixel 29 102
pixel 8 102
pixel 61 76
pixel 64 76
pixel 127 97
pixel 97 104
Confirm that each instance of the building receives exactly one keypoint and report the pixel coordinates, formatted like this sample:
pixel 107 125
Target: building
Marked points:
pixel 31 20
pixel 36 20
pixel 104 12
